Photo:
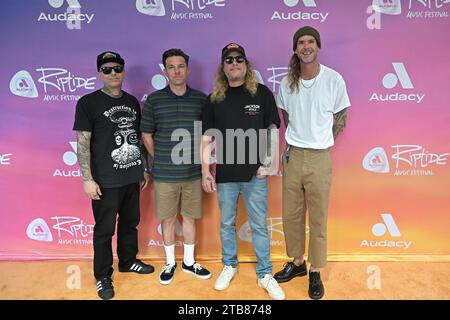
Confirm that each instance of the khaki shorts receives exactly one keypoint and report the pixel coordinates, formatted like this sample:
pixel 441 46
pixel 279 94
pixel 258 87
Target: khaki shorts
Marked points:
pixel 168 196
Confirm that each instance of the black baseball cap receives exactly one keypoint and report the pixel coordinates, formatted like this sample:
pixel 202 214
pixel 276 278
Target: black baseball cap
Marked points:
pixel 109 56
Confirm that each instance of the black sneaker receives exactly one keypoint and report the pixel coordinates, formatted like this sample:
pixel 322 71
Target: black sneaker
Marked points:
pixel 105 289
pixel 291 271
pixel 139 267
pixel 166 275
pixel 316 289
pixel 197 270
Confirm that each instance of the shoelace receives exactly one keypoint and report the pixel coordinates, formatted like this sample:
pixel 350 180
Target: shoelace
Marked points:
pixel 197 267
pixel 273 284
pixel 227 272
pixel 167 268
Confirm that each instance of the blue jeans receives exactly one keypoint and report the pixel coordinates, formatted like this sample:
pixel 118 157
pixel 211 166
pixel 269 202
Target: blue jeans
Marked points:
pixel 255 199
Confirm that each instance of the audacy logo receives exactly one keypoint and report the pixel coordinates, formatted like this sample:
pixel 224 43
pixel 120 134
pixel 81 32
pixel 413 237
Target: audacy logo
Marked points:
pixel 22 85
pixel 376 161
pixel 72 17
pixel 390 81
pixel 159 81
pixel 159 243
pixel 415 158
pixel 391 7
pixel 38 230
pixel 275 227
pixel 379 230
pixel 60 79
pixel 70 159
pixel 300 15
pixel 181 9
pixel 151 7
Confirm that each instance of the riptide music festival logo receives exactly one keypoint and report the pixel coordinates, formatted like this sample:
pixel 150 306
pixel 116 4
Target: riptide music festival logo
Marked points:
pixel 72 17
pixel 409 160
pixel 391 81
pixel 417 9
pixel 70 159
pixel 181 9
pixel 70 230
pixel 52 80
pixel 308 13
pixel 274 80
pixel 428 9
pixel 380 229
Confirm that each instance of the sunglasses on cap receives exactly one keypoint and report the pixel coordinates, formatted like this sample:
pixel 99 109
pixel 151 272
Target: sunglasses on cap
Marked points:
pixel 108 70
pixel 230 59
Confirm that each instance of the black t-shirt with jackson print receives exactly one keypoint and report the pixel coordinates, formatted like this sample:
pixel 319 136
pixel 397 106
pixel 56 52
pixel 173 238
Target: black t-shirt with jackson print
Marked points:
pixel 114 124
pixel 240 110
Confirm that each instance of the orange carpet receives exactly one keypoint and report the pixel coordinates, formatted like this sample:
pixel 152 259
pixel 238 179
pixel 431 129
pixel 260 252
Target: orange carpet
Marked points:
pixel 342 280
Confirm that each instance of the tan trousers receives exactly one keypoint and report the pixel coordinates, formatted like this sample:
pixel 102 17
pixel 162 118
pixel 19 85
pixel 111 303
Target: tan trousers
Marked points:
pixel 306 185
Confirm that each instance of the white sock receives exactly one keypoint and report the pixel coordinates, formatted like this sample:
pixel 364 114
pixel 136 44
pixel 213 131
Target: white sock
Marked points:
pixel 170 254
pixel 189 254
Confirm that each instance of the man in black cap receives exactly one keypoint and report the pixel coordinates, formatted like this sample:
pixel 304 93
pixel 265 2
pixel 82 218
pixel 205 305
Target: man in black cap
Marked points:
pixel 314 102
pixel 239 103
pixel 112 165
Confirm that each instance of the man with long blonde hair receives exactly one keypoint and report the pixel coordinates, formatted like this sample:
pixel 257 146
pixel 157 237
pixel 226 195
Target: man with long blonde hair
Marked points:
pixel 314 101
pixel 239 104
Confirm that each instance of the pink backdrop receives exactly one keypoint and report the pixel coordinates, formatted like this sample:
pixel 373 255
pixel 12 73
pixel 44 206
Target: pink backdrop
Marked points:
pixel 391 179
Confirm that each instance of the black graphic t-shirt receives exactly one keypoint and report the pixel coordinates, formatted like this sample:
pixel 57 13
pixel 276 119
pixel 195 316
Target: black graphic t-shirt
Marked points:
pixel 114 124
pixel 240 110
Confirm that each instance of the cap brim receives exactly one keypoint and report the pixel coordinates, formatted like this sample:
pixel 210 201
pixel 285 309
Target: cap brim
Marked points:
pixel 108 60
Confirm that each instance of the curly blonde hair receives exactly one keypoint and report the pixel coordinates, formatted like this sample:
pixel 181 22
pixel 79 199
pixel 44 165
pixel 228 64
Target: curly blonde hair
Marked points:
pixel 221 83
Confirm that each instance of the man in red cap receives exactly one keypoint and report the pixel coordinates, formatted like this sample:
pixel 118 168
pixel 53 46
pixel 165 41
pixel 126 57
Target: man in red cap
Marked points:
pixel 239 103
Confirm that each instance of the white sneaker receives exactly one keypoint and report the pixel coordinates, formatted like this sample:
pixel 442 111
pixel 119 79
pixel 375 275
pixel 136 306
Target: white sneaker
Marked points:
pixel 272 287
pixel 225 277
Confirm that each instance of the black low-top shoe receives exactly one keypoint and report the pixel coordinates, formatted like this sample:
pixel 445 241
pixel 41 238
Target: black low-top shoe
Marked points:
pixel 139 267
pixel 291 271
pixel 197 270
pixel 167 272
pixel 316 289
pixel 105 289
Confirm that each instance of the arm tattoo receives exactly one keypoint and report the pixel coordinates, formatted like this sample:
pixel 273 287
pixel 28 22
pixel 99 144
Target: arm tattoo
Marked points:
pixel 84 153
pixel 340 121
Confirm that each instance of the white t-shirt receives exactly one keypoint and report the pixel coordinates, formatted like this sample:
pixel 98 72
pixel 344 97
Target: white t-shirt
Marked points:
pixel 311 109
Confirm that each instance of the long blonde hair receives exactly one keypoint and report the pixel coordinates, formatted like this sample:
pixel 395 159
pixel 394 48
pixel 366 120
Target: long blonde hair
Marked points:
pixel 221 83
pixel 294 73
